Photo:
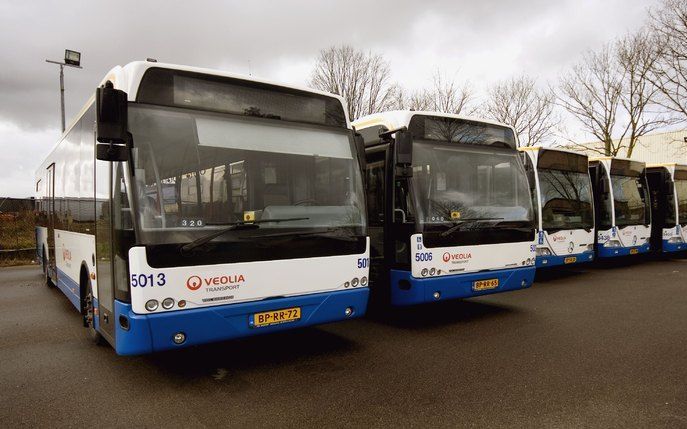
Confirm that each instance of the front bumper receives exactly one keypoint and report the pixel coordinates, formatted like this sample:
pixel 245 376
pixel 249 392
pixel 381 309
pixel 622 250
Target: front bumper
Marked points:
pixel 408 290
pixel 673 247
pixel 556 260
pixel 154 332
pixel 612 252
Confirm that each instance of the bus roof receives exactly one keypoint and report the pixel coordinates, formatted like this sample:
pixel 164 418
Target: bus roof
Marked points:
pixel 553 149
pixel 128 78
pixel 612 158
pixel 393 119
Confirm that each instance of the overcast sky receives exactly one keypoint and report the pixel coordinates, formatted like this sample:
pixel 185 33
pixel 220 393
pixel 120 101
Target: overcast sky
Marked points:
pixel 480 41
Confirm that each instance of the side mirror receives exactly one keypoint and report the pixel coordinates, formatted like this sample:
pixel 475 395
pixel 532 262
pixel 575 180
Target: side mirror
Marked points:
pixel 360 149
pixel 111 114
pixel 404 148
pixel 111 152
pixel 603 186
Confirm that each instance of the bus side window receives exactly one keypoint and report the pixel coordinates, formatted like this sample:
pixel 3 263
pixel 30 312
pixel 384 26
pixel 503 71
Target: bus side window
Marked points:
pixel 375 189
pixel 529 168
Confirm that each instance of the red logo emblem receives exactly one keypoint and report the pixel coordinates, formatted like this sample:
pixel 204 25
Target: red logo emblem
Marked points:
pixel 194 283
pixel 456 256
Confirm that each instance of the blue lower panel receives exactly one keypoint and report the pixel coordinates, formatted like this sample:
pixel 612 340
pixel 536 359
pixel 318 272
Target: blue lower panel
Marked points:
pixel 612 252
pixel 70 288
pixel 555 260
pixel 673 247
pixel 154 332
pixel 408 290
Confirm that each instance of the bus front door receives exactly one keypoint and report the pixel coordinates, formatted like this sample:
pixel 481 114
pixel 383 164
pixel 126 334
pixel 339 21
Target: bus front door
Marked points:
pixel 104 248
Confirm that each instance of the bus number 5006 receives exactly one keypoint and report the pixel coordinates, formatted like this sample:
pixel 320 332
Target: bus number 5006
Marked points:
pixel 143 280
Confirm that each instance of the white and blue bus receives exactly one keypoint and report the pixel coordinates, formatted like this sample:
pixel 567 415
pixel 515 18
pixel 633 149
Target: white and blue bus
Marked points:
pixel 449 207
pixel 622 207
pixel 668 187
pixel 563 204
pixel 186 206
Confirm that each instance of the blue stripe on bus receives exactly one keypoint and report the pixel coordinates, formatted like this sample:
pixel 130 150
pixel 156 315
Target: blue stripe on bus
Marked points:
pixel 154 332
pixel 673 247
pixel 612 252
pixel 70 288
pixel 420 290
pixel 555 260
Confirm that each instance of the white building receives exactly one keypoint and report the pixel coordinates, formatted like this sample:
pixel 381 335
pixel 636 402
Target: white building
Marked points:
pixel 653 148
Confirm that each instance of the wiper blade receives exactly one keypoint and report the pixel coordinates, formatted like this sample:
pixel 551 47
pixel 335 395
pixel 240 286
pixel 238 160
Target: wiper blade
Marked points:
pixel 458 223
pixel 232 226
pixel 318 233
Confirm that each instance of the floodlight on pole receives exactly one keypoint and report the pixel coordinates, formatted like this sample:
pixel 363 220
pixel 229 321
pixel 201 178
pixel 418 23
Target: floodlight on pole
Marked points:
pixel 71 59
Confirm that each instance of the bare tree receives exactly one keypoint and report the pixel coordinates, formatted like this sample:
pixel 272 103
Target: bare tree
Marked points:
pixel 669 73
pixel 518 102
pixel 592 93
pixel 636 56
pixel 445 95
pixel 363 79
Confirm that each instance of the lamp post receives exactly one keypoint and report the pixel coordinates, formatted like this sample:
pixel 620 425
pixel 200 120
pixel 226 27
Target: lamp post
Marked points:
pixel 71 59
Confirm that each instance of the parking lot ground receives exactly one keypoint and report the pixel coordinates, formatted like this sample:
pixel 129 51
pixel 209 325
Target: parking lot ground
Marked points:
pixel 601 345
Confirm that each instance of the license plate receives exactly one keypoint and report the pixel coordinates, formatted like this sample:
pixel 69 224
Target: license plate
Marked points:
pixel 634 251
pixel 570 260
pixel 275 317
pixel 485 284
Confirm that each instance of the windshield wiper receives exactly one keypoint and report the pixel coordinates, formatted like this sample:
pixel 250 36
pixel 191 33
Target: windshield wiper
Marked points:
pixel 326 232
pixel 458 223
pixel 231 227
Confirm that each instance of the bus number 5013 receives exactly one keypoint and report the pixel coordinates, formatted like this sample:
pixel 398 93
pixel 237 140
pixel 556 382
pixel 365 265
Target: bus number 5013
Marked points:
pixel 143 280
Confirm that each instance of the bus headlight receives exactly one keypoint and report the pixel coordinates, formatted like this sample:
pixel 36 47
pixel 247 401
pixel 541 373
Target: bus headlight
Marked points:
pixel 432 271
pixel 355 281
pixel 363 281
pixel 151 305
pixel 424 272
pixel 675 240
pixel 168 303
pixel 590 247
pixel 543 251
pixel 612 243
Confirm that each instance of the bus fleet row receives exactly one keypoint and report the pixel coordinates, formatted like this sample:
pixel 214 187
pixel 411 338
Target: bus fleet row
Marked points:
pixel 185 206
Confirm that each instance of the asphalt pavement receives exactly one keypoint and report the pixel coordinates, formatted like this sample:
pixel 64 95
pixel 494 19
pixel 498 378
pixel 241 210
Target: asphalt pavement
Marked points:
pixel 592 346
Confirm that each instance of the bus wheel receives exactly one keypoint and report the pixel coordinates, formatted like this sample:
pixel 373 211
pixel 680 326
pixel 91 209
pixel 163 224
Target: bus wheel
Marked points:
pixel 89 317
pixel 46 276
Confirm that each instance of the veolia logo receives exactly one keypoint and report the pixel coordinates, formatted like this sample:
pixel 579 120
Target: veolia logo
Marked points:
pixel 456 256
pixel 194 283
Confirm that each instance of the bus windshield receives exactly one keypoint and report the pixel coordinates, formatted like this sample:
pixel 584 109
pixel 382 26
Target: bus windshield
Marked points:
pixel 681 190
pixel 480 185
pixel 629 200
pixel 566 199
pixel 196 171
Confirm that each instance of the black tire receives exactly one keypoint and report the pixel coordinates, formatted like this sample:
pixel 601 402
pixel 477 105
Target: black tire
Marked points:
pixel 89 317
pixel 46 276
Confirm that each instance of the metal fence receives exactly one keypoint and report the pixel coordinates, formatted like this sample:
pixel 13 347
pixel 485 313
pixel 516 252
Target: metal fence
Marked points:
pixel 17 236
